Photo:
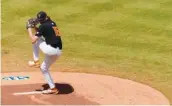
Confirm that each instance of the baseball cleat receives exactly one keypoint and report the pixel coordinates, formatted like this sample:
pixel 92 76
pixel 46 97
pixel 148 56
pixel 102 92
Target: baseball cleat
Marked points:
pixel 34 64
pixel 51 91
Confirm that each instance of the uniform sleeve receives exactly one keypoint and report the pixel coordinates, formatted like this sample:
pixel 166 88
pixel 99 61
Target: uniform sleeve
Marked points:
pixel 39 33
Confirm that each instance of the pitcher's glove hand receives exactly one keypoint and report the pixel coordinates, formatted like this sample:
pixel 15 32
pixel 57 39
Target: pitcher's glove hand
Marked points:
pixel 31 23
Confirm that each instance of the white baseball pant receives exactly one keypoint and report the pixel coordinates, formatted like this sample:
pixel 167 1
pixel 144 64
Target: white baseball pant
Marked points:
pixel 51 55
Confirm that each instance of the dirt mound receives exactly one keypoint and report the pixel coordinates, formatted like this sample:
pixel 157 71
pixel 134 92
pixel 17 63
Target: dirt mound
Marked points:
pixel 80 88
pixel 66 96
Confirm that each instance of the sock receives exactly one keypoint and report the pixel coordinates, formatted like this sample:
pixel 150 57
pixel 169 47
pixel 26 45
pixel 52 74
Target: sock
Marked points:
pixel 48 78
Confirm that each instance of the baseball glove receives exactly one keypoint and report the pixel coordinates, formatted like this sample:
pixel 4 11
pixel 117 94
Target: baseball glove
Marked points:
pixel 31 23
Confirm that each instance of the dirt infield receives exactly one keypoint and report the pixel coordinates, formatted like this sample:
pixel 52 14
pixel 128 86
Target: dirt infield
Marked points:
pixel 79 88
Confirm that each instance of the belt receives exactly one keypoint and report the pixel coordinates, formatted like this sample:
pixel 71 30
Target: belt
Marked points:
pixel 54 45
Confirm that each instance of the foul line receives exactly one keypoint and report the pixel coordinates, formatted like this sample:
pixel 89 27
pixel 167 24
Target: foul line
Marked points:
pixel 28 93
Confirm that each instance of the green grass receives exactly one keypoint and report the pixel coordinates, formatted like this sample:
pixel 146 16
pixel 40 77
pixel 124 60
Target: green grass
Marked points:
pixel 131 36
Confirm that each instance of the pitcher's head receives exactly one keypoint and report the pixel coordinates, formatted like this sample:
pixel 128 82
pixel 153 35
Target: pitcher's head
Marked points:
pixel 42 16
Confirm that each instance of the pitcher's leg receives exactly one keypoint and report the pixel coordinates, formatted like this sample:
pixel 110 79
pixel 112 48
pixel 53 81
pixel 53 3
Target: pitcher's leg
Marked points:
pixel 49 60
pixel 35 47
pixel 35 51
pixel 35 62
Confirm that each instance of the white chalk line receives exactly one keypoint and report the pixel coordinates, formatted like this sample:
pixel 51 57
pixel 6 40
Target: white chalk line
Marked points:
pixel 33 98
pixel 27 93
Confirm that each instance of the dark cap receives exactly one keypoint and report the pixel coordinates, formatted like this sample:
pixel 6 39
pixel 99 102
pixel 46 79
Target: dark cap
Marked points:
pixel 41 16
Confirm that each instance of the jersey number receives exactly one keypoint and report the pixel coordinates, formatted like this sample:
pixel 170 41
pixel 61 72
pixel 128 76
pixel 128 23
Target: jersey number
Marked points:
pixel 56 30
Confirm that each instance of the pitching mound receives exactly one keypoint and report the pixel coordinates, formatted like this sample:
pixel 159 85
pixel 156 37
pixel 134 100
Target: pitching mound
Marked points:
pixel 78 88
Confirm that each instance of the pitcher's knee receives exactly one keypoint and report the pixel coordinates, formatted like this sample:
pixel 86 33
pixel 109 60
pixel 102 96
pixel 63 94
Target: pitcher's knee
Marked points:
pixel 43 68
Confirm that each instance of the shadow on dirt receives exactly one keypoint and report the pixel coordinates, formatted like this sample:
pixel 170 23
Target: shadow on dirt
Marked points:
pixel 62 87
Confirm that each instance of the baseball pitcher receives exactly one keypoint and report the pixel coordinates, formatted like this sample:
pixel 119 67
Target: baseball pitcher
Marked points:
pixel 48 40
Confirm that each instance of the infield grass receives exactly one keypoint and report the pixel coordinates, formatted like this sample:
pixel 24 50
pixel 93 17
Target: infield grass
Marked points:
pixel 125 38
